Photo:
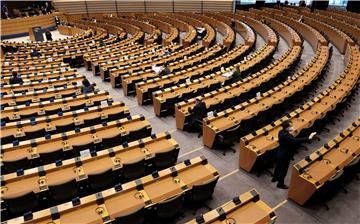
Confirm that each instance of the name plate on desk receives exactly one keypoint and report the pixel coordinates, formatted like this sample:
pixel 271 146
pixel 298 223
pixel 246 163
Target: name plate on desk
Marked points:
pixel 49 127
pixel 33 153
pixel 89 103
pixel 43 184
pixel 66 146
pixel 117 162
pixel 15 117
pixel 41 112
pixel 19 133
pixel 79 171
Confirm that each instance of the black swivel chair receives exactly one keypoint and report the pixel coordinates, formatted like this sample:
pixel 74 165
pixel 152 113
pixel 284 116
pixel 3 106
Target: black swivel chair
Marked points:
pixel 8 139
pixel 139 134
pixel 65 128
pixel 202 192
pixel 22 204
pixel 51 157
pixel 227 138
pixel 112 141
pixel 136 217
pixel 164 160
pixel 92 122
pixel 101 181
pixel 132 171
pixel 36 134
pixel 64 192
pixel 170 208
pixel 13 166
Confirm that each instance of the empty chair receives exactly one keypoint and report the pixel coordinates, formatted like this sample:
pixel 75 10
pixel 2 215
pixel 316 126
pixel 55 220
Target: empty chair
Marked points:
pixel 65 128
pixel 13 166
pixel 170 104
pixel 36 134
pixel 24 116
pixel 101 181
pixel 136 217
pixel 92 122
pixel 204 191
pixel 164 160
pixel 112 141
pixel 227 138
pixel 138 134
pixel 64 192
pixel 51 157
pixel 132 171
pixel 22 204
pixel 116 116
pixel 54 111
pixel 7 140
pixel 85 146
pixel 77 107
pixel 170 208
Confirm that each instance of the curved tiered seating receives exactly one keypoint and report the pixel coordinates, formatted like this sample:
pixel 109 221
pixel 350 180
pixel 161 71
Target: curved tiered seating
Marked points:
pixel 325 164
pixel 258 143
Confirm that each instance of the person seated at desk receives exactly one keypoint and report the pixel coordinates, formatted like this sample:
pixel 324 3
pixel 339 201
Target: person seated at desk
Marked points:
pixel 48 35
pixel 101 43
pixel 15 79
pixel 199 112
pixel 236 74
pixel 167 52
pixel 87 87
pixel 34 53
pixel 301 19
pixel 287 144
pixel 165 69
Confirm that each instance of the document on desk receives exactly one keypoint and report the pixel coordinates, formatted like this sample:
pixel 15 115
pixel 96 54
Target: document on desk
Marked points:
pixel 156 69
pixel 228 74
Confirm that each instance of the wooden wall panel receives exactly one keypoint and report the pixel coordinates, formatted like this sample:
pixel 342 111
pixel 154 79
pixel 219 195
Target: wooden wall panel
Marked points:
pixel 101 6
pixel 159 6
pixel 70 6
pixel 217 6
pixel 187 5
pixel 130 6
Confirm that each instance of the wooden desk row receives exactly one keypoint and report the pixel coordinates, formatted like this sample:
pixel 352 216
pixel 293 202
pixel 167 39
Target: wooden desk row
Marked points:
pixel 326 163
pixel 204 84
pixel 239 88
pixel 113 133
pixel 36 76
pixel 79 168
pixel 93 62
pixel 64 104
pixel 210 36
pixel 126 198
pixel 221 26
pixel 32 69
pixel 33 63
pixel 40 95
pixel 40 84
pixel 77 118
pixel 116 69
pixel 190 37
pixel 145 89
pixel 246 208
pixel 180 60
pixel 152 31
pixel 255 145
pixel 189 68
pixel 274 97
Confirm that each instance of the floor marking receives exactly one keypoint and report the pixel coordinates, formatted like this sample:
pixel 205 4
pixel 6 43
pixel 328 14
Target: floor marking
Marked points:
pixel 279 205
pixel 194 150
pixel 229 174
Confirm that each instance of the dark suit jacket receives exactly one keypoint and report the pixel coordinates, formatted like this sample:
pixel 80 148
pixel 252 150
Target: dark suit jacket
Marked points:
pixel 16 80
pixel 288 144
pixel 199 111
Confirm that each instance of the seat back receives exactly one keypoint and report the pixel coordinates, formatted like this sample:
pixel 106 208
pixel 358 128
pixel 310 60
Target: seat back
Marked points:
pixel 101 181
pixel 203 191
pixel 92 122
pixel 13 166
pixel 136 217
pixel 51 157
pixel 138 134
pixel 164 160
pixel 170 208
pixel 134 170
pixel 231 135
pixel 22 204
pixel 64 192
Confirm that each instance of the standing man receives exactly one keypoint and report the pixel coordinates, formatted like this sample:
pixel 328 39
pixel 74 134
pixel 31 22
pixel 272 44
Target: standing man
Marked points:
pixel 288 143
pixel 57 21
pixel 48 35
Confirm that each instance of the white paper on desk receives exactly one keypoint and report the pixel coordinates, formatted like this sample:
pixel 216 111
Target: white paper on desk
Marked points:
pixel 104 103
pixel 85 152
pixel 6 63
pixel 66 47
pixel 210 114
pixel 126 57
pixel 107 49
pixel 188 81
pixel 289 77
pixel 156 69
pixel 49 59
pixel 258 94
pixel 227 74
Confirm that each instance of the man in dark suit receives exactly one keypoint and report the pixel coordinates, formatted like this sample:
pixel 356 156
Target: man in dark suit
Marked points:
pixel 288 143
pixel 48 35
pixel 199 112
pixel 15 79
pixel 165 70
pixel 34 53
